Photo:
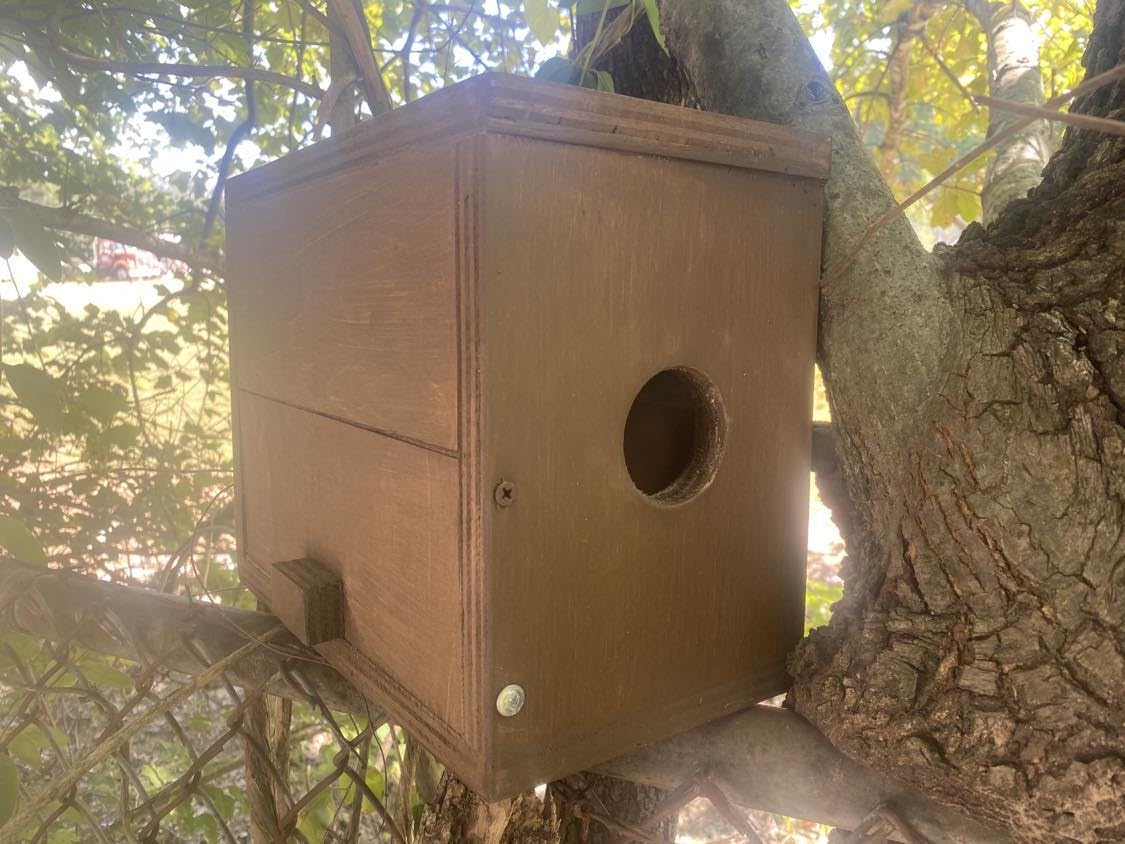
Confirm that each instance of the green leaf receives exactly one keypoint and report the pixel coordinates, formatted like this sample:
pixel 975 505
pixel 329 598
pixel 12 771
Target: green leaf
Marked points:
pixel 223 801
pixel 24 647
pixel 9 788
pixel 119 436
pixel 29 744
pixel 101 674
pixel 653 12
pixel 594 7
pixel 967 203
pixel 376 782
pixel 557 69
pixel 182 130
pixel 40 393
pixel 542 20
pixel 952 204
pixel 35 242
pixel 7 239
pixel 605 81
pixel 592 79
pixel 101 404
pixel 20 542
pixel 819 599
pixel 893 8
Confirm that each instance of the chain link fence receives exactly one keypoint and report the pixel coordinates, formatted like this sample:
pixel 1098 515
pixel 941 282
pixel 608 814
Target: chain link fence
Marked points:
pixel 128 714
pixel 168 733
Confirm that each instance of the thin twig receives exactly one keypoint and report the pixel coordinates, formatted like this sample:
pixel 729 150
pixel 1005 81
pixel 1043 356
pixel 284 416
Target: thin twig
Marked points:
pixel 186 70
pixel 936 56
pixel 411 32
pixel 1086 87
pixel 241 132
pixel 1082 121
pixel 66 219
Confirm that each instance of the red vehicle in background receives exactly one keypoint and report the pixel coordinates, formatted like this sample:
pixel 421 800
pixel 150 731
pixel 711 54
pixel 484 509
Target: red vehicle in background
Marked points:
pixel 125 263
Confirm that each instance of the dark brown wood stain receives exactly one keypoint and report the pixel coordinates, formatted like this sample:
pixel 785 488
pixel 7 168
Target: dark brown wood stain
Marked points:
pixel 476 288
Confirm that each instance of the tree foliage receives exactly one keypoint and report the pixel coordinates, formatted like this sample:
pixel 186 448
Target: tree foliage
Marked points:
pixel 908 70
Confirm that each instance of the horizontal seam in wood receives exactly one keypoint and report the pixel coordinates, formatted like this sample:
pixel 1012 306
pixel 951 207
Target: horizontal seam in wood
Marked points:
pixel 402 438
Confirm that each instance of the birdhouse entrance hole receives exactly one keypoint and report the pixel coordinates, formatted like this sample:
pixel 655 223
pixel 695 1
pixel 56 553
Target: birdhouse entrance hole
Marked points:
pixel 674 436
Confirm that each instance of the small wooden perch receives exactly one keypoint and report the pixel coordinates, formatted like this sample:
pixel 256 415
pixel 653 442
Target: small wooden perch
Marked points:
pixel 309 599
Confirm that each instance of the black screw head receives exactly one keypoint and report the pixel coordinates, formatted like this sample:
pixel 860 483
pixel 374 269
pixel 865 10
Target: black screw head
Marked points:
pixel 505 493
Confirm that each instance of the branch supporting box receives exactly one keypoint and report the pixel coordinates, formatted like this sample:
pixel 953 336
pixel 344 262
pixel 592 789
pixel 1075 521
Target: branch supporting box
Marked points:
pixel 522 389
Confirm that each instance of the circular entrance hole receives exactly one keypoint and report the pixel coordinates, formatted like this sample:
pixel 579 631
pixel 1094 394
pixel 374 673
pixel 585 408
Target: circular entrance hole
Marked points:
pixel 674 435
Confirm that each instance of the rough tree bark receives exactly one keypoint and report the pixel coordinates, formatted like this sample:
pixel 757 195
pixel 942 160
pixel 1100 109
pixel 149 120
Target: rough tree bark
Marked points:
pixel 626 801
pixel 978 650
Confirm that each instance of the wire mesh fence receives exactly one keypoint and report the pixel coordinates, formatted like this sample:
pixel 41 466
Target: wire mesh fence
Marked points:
pixel 154 748
pixel 127 714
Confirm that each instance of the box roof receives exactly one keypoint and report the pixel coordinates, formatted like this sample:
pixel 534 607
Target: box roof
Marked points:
pixel 500 103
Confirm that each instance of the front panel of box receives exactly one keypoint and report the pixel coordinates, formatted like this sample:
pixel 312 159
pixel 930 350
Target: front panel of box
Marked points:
pixel 648 573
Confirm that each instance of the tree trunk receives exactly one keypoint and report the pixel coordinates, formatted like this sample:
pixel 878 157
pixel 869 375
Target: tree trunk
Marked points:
pixel 640 67
pixel 978 650
pixel 1014 75
pixel 460 817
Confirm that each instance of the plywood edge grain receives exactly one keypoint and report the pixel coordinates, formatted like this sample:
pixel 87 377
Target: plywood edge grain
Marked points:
pixel 508 104
pixel 569 114
pixel 446 114
pixel 475 646
pixel 460 752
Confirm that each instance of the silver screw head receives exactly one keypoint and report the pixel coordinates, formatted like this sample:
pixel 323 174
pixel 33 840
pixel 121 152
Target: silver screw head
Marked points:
pixel 510 700
pixel 505 493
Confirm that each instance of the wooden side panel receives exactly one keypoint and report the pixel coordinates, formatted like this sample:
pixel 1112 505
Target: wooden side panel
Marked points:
pixel 343 299
pixel 381 514
pixel 625 620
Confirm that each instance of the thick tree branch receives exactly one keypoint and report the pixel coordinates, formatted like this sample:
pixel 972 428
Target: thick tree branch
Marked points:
pixel 764 757
pixel 1014 76
pixel 349 14
pixel 146 625
pixel 885 322
pixel 772 759
pixel 65 219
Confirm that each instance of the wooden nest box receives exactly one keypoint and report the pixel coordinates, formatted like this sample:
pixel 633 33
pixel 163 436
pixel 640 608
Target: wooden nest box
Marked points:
pixel 522 394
